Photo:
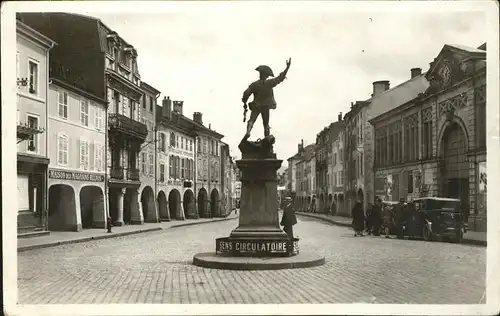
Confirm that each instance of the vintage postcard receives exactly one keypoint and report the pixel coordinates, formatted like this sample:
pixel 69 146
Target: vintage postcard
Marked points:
pixel 258 157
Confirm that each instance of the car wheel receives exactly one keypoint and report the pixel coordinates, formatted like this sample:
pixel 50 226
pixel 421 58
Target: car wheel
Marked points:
pixel 426 233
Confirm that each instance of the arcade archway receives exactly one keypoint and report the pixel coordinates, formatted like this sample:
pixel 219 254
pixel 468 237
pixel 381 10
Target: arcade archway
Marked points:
pixel 62 208
pixel 163 206
pixel 174 204
pixel 215 203
pixel 91 206
pixel 202 203
pixel 188 204
pixel 148 205
pixel 454 166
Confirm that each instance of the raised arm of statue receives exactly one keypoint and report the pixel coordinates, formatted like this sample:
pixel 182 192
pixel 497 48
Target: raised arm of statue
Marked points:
pixel 282 76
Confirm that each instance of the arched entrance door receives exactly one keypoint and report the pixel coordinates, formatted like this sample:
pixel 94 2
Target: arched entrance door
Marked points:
pixel 188 204
pixel 163 206
pixel 202 203
pixel 148 205
pixel 340 208
pixel 174 204
pixel 214 203
pixel 454 166
pixel 92 207
pixel 62 208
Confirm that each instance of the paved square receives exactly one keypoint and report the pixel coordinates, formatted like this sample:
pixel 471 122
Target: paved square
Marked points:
pixel 156 267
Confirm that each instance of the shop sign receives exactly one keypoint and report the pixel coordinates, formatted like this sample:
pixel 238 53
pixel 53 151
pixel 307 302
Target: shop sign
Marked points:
pixel 75 176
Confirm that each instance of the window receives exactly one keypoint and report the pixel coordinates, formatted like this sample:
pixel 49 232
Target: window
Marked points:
pixel 162 172
pixel 84 155
pixel 98 117
pixel 205 145
pixel 162 142
pixel 151 164
pixel 98 156
pixel 172 139
pixel 177 143
pixel 410 182
pixel 151 104
pixel 190 145
pixel 33 140
pixel 171 167
pixel 199 145
pixel 117 98
pixel 143 163
pixel 33 77
pixel 144 101
pixel 84 113
pixel 411 138
pixel 217 148
pixel 182 142
pixel 62 150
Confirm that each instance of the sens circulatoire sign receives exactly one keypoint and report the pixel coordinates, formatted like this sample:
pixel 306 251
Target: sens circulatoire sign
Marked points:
pixel 253 246
pixel 77 176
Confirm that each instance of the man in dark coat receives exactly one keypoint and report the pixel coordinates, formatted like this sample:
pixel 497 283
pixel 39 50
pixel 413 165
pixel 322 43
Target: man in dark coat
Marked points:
pixel 358 218
pixel 289 219
pixel 377 216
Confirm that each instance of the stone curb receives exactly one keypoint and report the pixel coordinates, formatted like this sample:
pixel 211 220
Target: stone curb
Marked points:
pixel 199 223
pixel 210 260
pixel 465 241
pixel 106 236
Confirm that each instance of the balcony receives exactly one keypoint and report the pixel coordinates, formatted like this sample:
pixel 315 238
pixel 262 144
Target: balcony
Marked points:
pixel 133 174
pixel 116 173
pixel 119 123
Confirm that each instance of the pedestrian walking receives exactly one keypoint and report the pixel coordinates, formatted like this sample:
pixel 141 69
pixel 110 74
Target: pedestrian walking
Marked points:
pixel 369 219
pixel 288 219
pixel 377 216
pixel 387 220
pixel 358 218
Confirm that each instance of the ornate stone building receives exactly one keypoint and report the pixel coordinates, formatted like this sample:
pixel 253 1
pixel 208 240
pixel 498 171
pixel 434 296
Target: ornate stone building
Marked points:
pixel 435 144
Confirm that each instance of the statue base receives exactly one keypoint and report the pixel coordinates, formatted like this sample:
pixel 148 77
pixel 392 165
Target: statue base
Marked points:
pixel 258 242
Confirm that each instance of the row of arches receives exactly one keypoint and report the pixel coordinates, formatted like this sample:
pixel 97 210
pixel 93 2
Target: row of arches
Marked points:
pixel 70 210
pixel 326 203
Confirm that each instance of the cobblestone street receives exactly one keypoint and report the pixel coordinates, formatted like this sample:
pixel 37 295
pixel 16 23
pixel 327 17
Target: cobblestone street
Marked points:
pixel 156 267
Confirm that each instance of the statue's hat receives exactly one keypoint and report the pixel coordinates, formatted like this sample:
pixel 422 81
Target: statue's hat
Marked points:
pixel 266 70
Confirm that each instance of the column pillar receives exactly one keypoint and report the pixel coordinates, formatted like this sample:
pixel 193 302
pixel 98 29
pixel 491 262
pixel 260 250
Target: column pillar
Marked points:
pixel 181 216
pixel 120 196
pixel 136 216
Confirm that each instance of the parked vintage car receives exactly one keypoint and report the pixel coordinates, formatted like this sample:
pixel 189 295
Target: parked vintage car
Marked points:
pixel 393 207
pixel 438 217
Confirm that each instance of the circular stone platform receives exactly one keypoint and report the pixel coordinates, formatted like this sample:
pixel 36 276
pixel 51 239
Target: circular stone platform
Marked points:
pixel 214 261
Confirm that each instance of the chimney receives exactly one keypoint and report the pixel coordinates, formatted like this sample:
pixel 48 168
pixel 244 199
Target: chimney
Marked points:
pixel 340 117
pixel 178 107
pixel 415 72
pixel 379 87
pixel 197 117
pixel 166 107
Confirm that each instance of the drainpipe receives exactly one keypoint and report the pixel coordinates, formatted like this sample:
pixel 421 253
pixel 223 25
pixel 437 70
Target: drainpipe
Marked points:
pixel 45 210
pixel 106 146
pixel 155 129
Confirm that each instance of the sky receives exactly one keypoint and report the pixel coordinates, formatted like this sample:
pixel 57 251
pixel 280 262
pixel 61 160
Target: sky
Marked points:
pixel 207 60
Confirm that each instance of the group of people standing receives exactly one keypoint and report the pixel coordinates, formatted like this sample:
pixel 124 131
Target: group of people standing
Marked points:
pixel 378 216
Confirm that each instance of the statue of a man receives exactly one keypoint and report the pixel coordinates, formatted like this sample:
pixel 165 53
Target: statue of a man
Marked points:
pixel 263 96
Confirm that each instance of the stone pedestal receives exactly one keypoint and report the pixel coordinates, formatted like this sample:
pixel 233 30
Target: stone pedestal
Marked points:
pixel 259 209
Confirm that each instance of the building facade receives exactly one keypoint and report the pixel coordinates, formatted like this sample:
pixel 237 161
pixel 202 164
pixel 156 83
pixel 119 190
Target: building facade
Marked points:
pixel 148 155
pixel 208 182
pixel 385 99
pixel 440 143
pixel 337 175
pixel 176 162
pixel 32 71
pixel 226 179
pixel 354 155
pixel 77 143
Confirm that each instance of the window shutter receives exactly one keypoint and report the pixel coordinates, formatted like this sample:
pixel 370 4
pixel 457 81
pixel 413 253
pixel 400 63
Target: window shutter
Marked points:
pixel 82 154
pixel 96 117
pixel 59 150
pixel 92 159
